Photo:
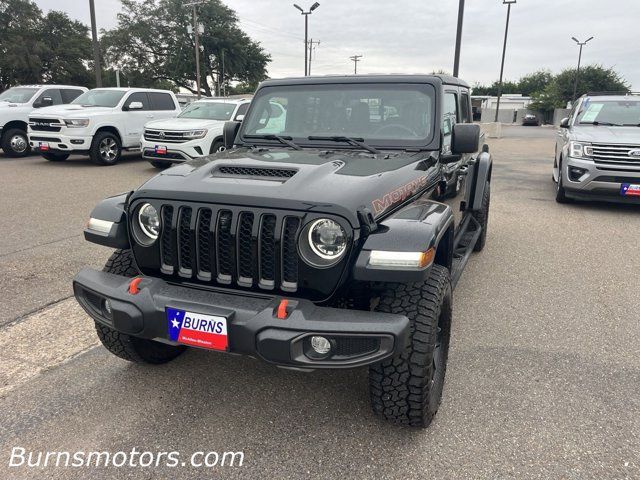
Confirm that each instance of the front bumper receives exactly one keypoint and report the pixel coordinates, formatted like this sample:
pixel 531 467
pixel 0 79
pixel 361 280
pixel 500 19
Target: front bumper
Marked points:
pixel 176 152
pixel 61 141
pixel 358 337
pixel 585 180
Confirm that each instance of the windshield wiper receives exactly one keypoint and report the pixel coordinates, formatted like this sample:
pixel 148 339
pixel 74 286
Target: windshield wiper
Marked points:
pixel 356 142
pixel 606 124
pixel 284 140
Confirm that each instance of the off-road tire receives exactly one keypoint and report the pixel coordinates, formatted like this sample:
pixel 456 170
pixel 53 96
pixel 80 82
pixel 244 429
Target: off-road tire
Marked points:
pixel 561 194
pixel 5 143
pixel 99 142
pixel 132 349
pixel 482 217
pixel 54 157
pixel 407 389
pixel 160 164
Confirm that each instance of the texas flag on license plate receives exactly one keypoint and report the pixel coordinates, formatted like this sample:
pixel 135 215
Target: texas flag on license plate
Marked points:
pixel 161 150
pixel 44 147
pixel 197 329
pixel 629 190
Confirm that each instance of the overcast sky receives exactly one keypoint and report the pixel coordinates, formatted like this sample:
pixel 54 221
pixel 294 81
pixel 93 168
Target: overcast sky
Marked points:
pixel 418 36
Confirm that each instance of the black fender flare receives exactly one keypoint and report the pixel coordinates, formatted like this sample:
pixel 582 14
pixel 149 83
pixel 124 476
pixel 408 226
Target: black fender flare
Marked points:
pixel 419 227
pixel 113 210
pixel 478 175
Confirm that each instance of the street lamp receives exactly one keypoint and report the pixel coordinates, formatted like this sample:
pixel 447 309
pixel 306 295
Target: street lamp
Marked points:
pixel 96 46
pixel 456 60
pixel 504 51
pixel 306 32
pixel 575 84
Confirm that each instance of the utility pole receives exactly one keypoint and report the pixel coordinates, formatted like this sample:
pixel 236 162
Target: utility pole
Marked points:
pixel 196 32
pixel 456 60
pixel 311 50
pixel 118 77
pixel 575 83
pixel 96 46
pixel 224 85
pixel 306 33
pixel 504 51
pixel 355 59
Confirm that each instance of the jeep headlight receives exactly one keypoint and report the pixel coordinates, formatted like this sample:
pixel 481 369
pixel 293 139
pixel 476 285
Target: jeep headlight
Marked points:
pixel 195 134
pixel 580 149
pixel 77 122
pixel 147 228
pixel 323 243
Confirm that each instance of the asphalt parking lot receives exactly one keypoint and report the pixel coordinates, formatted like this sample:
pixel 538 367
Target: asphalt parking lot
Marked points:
pixel 544 369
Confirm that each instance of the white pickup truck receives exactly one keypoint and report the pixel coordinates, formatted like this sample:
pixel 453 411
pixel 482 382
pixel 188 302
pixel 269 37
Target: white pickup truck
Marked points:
pixel 102 123
pixel 17 103
pixel 196 132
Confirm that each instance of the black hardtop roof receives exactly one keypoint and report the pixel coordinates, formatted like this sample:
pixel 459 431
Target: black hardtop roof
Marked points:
pixel 392 78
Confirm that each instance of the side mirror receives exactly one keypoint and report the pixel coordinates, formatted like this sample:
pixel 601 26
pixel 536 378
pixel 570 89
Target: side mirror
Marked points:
pixel 465 138
pixel 46 102
pixel 564 123
pixel 134 106
pixel 229 133
pixel 239 118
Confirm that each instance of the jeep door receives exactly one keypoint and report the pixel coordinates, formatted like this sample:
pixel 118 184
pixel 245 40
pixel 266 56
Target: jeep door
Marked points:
pixel 135 119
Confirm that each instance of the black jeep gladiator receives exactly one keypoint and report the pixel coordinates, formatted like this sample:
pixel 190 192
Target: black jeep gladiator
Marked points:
pixel 328 236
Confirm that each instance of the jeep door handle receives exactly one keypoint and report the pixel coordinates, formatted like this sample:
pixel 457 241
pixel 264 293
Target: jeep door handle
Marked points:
pixel 149 116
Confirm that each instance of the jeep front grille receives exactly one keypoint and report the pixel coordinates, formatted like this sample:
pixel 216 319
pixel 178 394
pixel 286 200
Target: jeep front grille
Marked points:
pixel 615 154
pixel 223 246
pixel 165 136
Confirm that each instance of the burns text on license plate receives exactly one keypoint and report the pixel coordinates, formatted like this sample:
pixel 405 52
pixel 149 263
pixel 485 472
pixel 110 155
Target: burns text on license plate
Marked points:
pixel 630 190
pixel 197 329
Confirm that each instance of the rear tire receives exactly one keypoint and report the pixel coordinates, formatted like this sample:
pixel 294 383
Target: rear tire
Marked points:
pixel 15 143
pixel 482 217
pixel 160 164
pixel 407 389
pixel 127 347
pixel 106 149
pixel 54 157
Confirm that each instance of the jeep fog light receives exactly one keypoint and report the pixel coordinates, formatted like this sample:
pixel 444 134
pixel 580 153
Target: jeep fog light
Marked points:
pixel 320 345
pixel 106 305
pixel 381 258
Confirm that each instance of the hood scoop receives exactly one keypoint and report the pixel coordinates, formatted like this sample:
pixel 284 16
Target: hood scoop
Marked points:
pixel 254 173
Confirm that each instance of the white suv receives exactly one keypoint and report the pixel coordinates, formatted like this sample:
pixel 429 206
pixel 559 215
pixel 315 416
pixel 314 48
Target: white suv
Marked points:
pixel 101 123
pixel 18 102
pixel 196 132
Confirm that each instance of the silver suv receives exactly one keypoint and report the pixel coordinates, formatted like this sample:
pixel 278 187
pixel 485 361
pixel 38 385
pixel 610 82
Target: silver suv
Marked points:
pixel 598 150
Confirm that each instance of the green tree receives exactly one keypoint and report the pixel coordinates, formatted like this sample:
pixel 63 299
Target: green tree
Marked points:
pixel 152 39
pixel 492 90
pixel 535 82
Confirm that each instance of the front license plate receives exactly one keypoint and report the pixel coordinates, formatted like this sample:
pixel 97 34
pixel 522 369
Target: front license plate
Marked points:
pixel 630 190
pixel 44 146
pixel 161 150
pixel 197 329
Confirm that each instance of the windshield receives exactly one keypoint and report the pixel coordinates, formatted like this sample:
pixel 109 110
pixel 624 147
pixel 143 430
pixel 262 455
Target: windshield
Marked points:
pixel 99 98
pixel 209 111
pixel 18 95
pixel 380 114
pixel 610 112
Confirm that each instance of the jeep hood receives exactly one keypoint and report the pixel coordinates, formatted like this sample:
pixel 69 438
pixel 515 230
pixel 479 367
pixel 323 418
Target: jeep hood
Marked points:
pixel 70 111
pixel 340 183
pixel 604 134
pixel 185 124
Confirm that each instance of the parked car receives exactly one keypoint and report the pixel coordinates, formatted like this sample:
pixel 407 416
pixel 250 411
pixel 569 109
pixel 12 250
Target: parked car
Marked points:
pixel 195 132
pixel 530 119
pixel 17 103
pixel 322 245
pixel 598 150
pixel 102 123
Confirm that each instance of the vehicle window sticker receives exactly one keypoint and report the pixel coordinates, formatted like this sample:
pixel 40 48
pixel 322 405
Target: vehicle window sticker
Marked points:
pixel 592 113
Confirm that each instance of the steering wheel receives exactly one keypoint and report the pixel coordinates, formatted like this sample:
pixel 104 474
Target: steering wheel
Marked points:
pixel 398 126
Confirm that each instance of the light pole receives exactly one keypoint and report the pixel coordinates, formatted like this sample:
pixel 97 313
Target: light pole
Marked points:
pixel 306 33
pixel 96 45
pixel 355 59
pixel 196 33
pixel 575 84
pixel 456 61
pixel 504 51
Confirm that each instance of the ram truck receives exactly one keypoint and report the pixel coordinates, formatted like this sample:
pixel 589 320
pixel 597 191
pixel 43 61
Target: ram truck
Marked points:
pixel 325 240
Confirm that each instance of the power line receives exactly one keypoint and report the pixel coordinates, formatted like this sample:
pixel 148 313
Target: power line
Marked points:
pixel 355 59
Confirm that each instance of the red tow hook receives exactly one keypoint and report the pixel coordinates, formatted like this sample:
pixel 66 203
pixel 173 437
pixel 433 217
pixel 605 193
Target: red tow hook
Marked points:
pixel 134 285
pixel 282 309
